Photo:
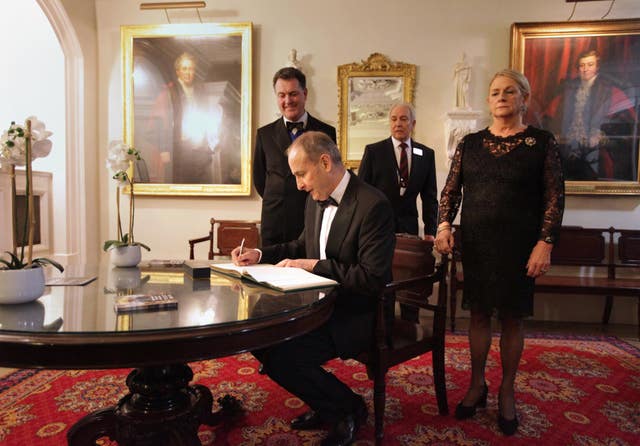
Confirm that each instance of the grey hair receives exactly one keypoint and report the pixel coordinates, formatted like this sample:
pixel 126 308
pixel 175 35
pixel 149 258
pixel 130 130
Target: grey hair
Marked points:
pixel 315 144
pixel 410 107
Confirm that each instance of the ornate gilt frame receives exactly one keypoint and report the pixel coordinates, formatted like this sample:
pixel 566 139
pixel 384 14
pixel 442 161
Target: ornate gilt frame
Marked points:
pixel 527 37
pixel 376 68
pixel 163 42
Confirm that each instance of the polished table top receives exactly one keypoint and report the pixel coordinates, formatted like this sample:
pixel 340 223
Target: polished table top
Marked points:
pixel 78 327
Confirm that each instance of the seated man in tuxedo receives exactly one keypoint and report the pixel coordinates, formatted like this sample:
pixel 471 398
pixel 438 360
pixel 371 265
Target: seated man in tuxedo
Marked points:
pixel 348 236
pixel 403 168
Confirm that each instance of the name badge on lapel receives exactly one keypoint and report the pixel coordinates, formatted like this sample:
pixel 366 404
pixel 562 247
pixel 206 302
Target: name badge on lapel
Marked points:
pixel 417 151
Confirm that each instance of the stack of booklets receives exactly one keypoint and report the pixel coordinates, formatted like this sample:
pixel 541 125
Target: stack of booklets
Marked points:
pixel 276 277
pixel 145 302
pixel 198 269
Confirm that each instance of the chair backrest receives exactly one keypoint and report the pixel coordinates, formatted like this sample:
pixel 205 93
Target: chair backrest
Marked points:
pixel 225 235
pixel 230 233
pixel 413 258
pixel 575 246
pixel 579 246
pixel 629 247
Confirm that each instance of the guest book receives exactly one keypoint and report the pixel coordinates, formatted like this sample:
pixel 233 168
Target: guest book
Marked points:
pixel 276 277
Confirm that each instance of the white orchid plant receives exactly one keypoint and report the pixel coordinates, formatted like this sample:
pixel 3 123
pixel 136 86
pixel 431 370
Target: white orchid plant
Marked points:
pixel 19 146
pixel 119 159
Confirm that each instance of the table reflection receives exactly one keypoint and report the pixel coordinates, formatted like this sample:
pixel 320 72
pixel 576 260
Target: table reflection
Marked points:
pixel 27 317
pixel 201 302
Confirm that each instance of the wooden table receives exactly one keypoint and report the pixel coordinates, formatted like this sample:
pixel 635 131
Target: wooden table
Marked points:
pixel 77 328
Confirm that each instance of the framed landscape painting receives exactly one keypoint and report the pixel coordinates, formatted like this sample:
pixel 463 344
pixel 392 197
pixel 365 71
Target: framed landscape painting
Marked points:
pixel 585 89
pixel 187 107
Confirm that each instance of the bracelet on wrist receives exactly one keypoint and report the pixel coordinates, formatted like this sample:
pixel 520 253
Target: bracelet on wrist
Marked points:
pixel 443 228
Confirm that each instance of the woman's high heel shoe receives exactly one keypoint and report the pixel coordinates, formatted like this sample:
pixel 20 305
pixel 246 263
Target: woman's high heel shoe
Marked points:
pixel 508 427
pixel 463 412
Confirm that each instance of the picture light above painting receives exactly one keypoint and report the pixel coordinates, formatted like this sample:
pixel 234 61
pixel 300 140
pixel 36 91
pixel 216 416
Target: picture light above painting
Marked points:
pixel 187 107
pixel 585 89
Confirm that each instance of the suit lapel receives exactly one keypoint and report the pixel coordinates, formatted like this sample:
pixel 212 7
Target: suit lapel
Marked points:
pixel 312 123
pixel 416 171
pixel 390 159
pixel 281 135
pixel 342 220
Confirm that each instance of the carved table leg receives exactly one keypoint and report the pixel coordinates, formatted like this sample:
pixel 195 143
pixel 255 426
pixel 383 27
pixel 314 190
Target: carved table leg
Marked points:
pixel 161 409
pixel 85 432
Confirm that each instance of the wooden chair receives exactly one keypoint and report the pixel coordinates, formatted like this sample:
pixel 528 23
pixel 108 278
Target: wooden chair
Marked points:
pixel 398 340
pixel 227 234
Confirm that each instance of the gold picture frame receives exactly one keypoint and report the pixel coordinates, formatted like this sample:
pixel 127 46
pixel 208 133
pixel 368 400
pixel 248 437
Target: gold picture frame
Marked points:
pixel 584 89
pixel 187 107
pixel 366 91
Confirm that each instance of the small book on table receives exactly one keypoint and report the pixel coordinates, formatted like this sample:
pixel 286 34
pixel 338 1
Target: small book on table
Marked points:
pixel 145 302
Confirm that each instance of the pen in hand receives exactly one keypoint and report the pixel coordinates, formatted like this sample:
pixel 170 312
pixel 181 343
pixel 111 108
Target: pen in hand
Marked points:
pixel 241 246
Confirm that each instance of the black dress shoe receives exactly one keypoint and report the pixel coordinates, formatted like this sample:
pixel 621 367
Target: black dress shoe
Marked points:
pixel 307 421
pixel 344 431
pixel 464 412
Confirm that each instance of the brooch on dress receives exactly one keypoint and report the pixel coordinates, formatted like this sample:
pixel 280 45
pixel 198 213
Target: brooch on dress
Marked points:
pixel 530 141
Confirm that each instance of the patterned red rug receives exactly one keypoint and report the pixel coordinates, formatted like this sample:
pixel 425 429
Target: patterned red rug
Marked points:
pixel 571 391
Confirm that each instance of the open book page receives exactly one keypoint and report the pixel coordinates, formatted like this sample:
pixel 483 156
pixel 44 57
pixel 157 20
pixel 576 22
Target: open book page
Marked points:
pixel 284 279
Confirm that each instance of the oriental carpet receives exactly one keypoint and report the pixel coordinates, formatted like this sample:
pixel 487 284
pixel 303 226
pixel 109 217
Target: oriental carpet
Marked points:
pixel 582 391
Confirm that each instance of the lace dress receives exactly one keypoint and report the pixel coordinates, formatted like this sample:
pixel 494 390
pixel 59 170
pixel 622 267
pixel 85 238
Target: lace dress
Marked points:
pixel 512 195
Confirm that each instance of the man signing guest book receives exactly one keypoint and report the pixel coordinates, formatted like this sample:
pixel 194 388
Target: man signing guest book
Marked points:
pixel 348 236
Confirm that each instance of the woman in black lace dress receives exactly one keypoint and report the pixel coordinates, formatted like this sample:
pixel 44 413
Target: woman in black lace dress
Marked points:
pixel 511 179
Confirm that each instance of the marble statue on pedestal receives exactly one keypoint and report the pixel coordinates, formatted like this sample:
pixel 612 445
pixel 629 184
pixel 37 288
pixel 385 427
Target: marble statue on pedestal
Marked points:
pixel 462 77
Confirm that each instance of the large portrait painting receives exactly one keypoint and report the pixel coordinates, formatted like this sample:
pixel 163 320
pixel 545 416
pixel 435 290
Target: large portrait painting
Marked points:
pixel 366 92
pixel 187 99
pixel 585 81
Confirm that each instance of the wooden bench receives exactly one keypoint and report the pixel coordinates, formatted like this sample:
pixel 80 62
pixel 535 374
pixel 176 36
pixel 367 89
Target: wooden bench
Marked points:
pixel 612 254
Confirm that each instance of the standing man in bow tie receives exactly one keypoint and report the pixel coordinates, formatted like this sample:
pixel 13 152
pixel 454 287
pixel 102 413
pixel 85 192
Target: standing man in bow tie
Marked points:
pixel 282 216
pixel 348 236
pixel 403 168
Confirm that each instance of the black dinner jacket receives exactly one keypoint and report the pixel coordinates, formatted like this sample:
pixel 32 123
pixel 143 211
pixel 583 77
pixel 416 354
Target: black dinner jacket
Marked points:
pixel 379 168
pixel 282 203
pixel 359 253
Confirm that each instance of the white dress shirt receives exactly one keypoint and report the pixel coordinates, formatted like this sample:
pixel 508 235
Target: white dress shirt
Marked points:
pixel 330 213
pixel 396 151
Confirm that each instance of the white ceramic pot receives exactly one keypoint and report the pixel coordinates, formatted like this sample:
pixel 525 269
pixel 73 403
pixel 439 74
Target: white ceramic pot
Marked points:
pixel 125 256
pixel 18 286
pixel 119 279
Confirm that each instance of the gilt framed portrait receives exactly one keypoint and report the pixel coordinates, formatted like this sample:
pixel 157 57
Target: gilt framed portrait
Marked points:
pixel 585 89
pixel 366 92
pixel 187 107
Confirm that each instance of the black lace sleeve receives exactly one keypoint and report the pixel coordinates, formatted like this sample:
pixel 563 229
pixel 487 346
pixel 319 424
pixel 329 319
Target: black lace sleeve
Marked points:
pixel 451 195
pixel 553 192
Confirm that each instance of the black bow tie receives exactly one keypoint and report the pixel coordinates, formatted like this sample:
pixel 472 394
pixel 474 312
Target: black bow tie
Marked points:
pixel 295 127
pixel 328 202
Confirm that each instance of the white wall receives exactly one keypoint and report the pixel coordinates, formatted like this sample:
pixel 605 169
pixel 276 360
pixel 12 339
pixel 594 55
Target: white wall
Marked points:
pixel 22 90
pixel 431 34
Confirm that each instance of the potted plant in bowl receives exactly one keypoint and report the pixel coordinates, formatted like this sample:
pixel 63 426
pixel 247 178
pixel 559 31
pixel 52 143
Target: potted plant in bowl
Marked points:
pixel 21 275
pixel 124 251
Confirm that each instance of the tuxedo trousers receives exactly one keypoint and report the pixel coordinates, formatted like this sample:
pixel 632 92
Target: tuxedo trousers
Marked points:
pixel 296 365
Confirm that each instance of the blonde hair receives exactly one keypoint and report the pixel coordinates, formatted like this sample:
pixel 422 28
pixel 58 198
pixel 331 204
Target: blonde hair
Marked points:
pixel 517 77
